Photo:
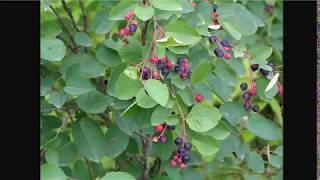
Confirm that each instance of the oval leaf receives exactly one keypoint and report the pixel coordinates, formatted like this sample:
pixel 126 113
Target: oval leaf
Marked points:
pixel 52 49
pixel 157 91
pixel 92 102
pixel 143 12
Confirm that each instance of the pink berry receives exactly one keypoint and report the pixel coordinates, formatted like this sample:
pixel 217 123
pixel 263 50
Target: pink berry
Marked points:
pixel 226 48
pixel 253 90
pixel 227 55
pixel 173 163
pixel 183 165
pixel 155 139
pixel 155 75
pixel 169 65
pixel 194 4
pixel 198 97
pixel 159 128
pixel 154 60
pixel 128 15
pixel 280 89
pixel 122 32
pixel 179 160
pixel 175 157
pixel 127 30
pixel 215 14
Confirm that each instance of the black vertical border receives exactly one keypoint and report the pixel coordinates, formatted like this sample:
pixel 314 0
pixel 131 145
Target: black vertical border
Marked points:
pixel 300 90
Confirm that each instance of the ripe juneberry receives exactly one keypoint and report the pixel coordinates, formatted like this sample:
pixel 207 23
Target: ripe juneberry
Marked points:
pixel 246 96
pixel 255 108
pixel 264 72
pixel 132 28
pixel 186 158
pixel 198 97
pixel 159 128
pixel 169 65
pixel 243 86
pixel 163 140
pixel 247 105
pixel 177 68
pixel 161 65
pixel 225 43
pixel 188 146
pixel 180 60
pixel 154 60
pixel 254 67
pixel 165 72
pixel 178 141
pixel 212 39
pixel 218 52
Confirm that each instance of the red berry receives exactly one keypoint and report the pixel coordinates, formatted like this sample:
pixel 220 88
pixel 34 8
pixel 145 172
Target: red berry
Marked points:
pixel 179 160
pixel 169 65
pixel 194 4
pixel 154 60
pixel 198 97
pixel 128 15
pixel 159 128
pixel 215 14
pixel 127 30
pixel 155 75
pixel 253 90
pixel 183 165
pixel 175 157
pixel 173 163
pixel 280 89
pixel 165 58
pixel 155 139
pixel 227 55
pixel 122 32
pixel 226 48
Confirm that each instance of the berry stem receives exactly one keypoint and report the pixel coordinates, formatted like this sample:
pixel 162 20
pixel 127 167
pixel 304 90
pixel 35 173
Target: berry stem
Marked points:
pixel 164 129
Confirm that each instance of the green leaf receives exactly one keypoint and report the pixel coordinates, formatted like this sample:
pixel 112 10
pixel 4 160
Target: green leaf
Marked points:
pixel 45 85
pixel 80 170
pixel 187 96
pixel 234 32
pixel 119 11
pixel 172 120
pixel 128 79
pixel 167 5
pixel 50 29
pixel 116 140
pixel 163 151
pixel 131 52
pixel 261 84
pixel 51 172
pixel 145 101
pixel 182 32
pixel 220 87
pixel 52 49
pixel 101 23
pixel 275 160
pixel 220 132
pixel 179 49
pixel 200 72
pixel 255 162
pixel 115 74
pixel 92 102
pixel 118 175
pixel 78 85
pixel 159 114
pixel 89 139
pixel 263 128
pixel 226 74
pixel 260 53
pixel 107 56
pixel 207 146
pixel 202 118
pixel 143 12
pixel 82 39
pixel 52 157
pixel 67 153
pixel 233 112
pixel 180 83
pixel 57 98
pixel 157 91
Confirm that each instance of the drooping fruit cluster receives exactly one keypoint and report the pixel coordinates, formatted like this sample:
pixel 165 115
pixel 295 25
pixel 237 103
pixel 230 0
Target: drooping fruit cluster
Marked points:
pixel 223 47
pixel 248 95
pixel 160 66
pixel 160 130
pixel 131 26
pixel 181 157
pixel 183 68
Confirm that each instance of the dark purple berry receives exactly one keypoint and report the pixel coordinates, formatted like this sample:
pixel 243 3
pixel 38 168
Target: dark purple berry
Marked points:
pixel 177 68
pixel 180 60
pixel 247 105
pixel 218 52
pixel 254 67
pixel 184 75
pixel 243 86
pixel 255 108
pixel 212 39
pixel 246 96
pixel 214 7
pixel 170 127
pixel 133 28
pixel 178 141
pixel 270 64
pixel 161 65
pixel 225 43
pixel 264 72
pixel 186 158
pixel 187 146
pixel 182 151
pixel 163 140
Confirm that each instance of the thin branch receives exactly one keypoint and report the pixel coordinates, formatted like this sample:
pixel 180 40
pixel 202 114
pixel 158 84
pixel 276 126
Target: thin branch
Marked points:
pixel 85 20
pixel 144 32
pixel 146 147
pixel 90 169
pixel 66 43
pixel 64 27
pixel 69 12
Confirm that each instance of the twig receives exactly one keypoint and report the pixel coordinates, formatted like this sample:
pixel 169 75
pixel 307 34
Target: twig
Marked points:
pixel 65 42
pixel 69 12
pixel 85 20
pixel 64 28
pixel 90 169
pixel 146 142
pixel 144 32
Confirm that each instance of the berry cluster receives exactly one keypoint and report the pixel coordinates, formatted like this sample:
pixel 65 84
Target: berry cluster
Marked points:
pixel 160 129
pixel 248 95
pixel 160 66
pixel 183 68
pixel 181 157
pixel 131 27
pixel 223 49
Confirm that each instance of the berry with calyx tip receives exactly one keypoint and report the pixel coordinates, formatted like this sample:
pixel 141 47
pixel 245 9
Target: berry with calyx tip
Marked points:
pixel 159 128
pixel 280 89
pixel 169 65
pixel 122 32
pixel 243 86
pixel 127 30
pixel 227 55
pixel 144 70
pixel 178 141
pixel 163 140
pixel 165 72
pixel 218 52
pixel 247 105
pixel 173 163
pixel 225 43
pixel 186 158
pixel 161 65
pixel 253 90
pixel 255 108
pixel 177 68
pixel 188 146
pixel 246 96
pixel 183 165
pixel 170 127
pixel 165 59
pixel 155 75
pixel 184 75
pixel 154 60
pixel 180 60
pixel 198 97
pixel 264 72
pixel 155 139
pixel 254 67
pixel 212 39
pixel 128 15
pixel 132 28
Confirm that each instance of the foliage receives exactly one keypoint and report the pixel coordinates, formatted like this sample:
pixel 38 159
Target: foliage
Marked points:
pixel 98 113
